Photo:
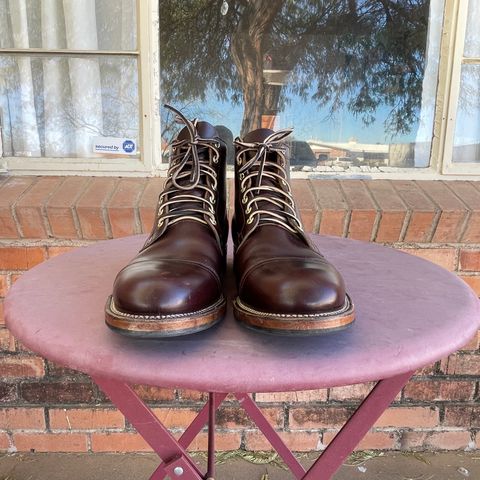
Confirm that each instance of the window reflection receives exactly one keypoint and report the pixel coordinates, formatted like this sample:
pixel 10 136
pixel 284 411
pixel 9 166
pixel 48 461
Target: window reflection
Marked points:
pixel 355 78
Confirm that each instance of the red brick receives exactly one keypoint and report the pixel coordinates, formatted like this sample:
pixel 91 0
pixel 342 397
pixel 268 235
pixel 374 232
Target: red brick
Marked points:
pixel 176 417
pixel 427 370
pixel 371 441
pixel 423 211
pixel 57 392
pixel 462 416
pixel 364 211
pixel 439 390
pixel 193 395
pixel 85 419
pixel 333 206
pixel 30 209
pixel 351 392
pixel 22 419
pixel 461 365
pixel 469 260
pixel 50 442
pixel 473 282
pixel 55 251
pixel 122 207
pixel 412 440
pixel 393 210
pixel 409 417
pixel 445 257
pixel 224 441
pixel 149 393
pixel 235 417
pixel 453 211
pixel 90 208
pixel 21 366
pixel 147 206
pixel 3 284
pixel 471 197
pixel 21 258
pixel 10 192
pixel 300 396
pixel 306 203
pixel 60 207
pixel 8 392
pixel 5 444
pixel 318 417
pixel 7 342
pixel 119 442
pixel 448 440
pixel 296 441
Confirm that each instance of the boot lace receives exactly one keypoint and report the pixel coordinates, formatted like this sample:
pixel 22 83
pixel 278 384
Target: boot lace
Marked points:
pixel 184 197
pixel 264 187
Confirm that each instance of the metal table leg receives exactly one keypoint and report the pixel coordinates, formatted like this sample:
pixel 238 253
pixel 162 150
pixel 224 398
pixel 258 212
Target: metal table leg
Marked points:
pixel 176 462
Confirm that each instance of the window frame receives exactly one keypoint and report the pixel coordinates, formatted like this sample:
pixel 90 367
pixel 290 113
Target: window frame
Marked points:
pixel 148 162
pixel 148 62
pixel 457 60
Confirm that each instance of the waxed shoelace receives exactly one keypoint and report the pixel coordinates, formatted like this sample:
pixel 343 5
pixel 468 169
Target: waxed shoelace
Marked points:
pixel 265 180
pixel 184 196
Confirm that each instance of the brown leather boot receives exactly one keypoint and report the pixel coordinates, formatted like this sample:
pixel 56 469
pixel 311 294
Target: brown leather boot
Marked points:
pixel 174 285
pixel 283 284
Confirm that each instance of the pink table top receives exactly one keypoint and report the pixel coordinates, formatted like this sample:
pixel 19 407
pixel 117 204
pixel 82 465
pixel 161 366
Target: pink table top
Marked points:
pixel 410 313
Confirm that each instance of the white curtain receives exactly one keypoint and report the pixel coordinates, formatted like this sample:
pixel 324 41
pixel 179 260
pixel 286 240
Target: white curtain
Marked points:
pixel 54 105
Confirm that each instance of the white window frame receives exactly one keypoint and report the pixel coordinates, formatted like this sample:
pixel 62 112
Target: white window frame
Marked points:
pixel 459 28
pixel 147 54
pixel 148 162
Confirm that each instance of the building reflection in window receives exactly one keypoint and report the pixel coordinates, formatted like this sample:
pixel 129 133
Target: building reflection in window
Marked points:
pixel 355 78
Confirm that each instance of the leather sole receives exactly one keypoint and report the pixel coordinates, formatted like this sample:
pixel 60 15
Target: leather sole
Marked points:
pixel 289 324
pixel 160 326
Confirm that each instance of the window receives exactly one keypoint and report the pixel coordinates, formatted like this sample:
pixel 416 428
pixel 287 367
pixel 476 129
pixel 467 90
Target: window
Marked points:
pixel 356 79
pixel 70 97
pixel 462 142
pixel 373 88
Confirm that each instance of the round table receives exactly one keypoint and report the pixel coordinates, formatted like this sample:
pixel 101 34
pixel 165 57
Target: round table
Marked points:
pixel 409 313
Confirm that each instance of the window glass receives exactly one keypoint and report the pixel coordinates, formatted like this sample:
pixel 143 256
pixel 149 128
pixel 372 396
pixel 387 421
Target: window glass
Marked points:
pixel 466 147
pixel 59 106
pixel 75 105
pixel 68 24
pixel 472 37
pixel 355 79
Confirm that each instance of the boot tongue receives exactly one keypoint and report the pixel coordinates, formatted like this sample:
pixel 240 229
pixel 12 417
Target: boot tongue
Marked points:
pixel 258 135
pixel 204 130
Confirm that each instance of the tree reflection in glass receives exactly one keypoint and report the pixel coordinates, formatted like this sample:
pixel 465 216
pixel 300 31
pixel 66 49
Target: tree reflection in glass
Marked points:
pixel 365 58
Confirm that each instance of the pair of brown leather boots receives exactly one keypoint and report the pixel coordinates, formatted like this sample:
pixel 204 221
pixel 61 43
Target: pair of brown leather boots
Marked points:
pixel 174 286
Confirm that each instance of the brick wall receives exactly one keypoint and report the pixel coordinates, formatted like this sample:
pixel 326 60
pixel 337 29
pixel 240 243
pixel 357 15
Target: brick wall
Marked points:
pixel 45 407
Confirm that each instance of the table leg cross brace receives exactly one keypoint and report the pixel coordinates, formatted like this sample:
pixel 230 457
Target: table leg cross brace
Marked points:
pixel 178 464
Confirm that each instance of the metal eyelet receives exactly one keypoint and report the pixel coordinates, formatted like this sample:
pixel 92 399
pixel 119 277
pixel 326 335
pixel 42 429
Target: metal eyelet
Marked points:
pixel 242 190
pixel 250 220
pixel 248 210
pixel 213 221
pixel 160 223
pixel 244 199
pixel 242 176
pixel 213 200
pixel 239 161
